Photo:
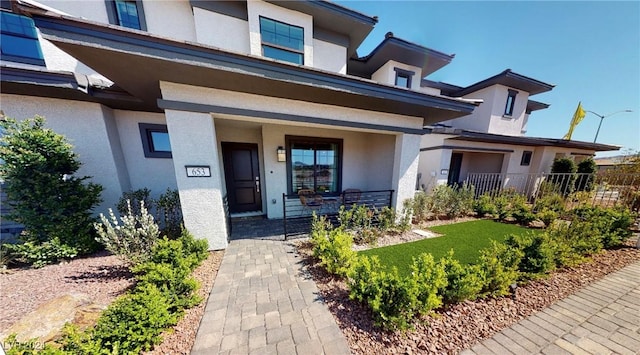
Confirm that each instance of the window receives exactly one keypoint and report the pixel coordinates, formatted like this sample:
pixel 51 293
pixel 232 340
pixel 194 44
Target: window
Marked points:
pixel 526 158
pixel 128 14
pixel 19 40
pixel 282 41
pixel 314 163
pixel 155 140
pixel 511 101
pixel 403 78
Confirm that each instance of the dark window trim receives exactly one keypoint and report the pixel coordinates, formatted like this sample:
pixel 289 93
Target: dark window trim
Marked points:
pixel 404 73
pixel 17 58
pixel 112 14
pixel 510 104
pixel 289 139
pixel 147 144
pixel 273 45
pixel 526 158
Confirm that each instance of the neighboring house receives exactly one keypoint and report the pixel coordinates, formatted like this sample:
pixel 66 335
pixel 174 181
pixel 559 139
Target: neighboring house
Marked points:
pixel 611 163
pixel 204 96
pixel 491 140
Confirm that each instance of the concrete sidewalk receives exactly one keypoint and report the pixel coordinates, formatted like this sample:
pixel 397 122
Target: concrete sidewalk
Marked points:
pixel 263 303
pixel 602 318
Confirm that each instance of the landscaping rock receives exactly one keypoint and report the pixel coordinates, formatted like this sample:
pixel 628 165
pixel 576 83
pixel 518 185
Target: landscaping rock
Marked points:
pixel 47 320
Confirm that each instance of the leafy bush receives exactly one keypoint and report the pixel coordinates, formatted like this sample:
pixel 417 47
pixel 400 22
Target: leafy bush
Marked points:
pixel 511 204
pixel 463 282
pixel 586 170
pixel 38 171
pixel 484 206
pixel 427 277
pixel 41 254
pixel 611 225
pixel 442 200
pixel 419 206
pixel 499 268
pixel 134 322
pixel 547 216
pixel 538 254
pixel 551 201
pixel 170 213
pixel 333 248
pixel 563 175
pixel 360 221
pixel 133 240
pixel 389 221
pixel 132 200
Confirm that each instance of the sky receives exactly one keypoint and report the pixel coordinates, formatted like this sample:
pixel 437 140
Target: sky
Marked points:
pixel 589 50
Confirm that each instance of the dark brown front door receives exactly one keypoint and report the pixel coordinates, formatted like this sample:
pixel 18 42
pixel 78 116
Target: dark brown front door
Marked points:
pixel 242 175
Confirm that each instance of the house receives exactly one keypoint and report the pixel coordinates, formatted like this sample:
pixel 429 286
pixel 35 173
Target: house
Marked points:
pixel 232 103
pixel 489 144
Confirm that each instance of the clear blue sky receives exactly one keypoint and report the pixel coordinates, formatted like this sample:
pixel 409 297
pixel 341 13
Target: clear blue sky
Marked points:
pixel 589 50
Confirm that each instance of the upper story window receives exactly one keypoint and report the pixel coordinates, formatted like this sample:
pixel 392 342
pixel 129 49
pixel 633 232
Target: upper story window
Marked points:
pixel 19 40
pixel 155 140
pixel 511 102
pixel 128 14
pixel 282 41
pixel 403 78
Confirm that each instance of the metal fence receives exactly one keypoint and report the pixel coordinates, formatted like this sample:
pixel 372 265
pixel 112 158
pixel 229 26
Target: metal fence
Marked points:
pixel 604 189
pixel 298 216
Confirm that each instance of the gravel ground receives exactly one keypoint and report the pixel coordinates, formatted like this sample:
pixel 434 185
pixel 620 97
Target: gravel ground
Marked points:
pixel 457 327
pixel 103 277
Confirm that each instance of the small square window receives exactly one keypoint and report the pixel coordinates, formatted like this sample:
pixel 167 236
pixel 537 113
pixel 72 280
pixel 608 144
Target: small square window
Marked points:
pixel 126 13
pixel 155 140
pixel 403 78
pixel 526 158
pixel 511 102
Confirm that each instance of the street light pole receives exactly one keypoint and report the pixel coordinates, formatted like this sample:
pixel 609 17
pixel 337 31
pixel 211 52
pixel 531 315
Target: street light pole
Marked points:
pixel 602 118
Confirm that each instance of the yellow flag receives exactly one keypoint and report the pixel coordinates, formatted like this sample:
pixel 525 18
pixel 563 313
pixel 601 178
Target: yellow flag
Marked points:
pixel 577 118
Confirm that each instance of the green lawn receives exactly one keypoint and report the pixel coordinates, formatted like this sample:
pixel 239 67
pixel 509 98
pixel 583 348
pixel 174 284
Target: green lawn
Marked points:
pixel 466 239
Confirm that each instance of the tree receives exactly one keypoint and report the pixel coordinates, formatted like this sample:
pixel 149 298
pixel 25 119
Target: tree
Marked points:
pixel 564 170
pixel 586 170
pixel 38 171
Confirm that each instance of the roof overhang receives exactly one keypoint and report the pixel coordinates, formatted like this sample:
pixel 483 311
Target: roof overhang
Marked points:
pixel 399 50
pixel 533 105
pixel 529 141
pixel 510 79
pixel 138 61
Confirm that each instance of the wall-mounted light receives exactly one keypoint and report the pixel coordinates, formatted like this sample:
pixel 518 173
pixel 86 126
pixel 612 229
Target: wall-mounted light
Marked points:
pixel 282 154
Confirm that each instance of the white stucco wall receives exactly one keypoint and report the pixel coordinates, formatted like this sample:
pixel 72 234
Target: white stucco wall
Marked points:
pixel 156 174
pixel 508 125
pixel 257 8
pixel 479 119
pixel 480 162
pixel 86 128
pixel 91 10
pixel 222 31
pixel 173 19
pixel 386 75
pixel 329 56
pixel 405 168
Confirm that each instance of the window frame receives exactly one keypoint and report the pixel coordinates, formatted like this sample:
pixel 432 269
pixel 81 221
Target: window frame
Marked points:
pixel 114 19
pixel 18 58
pixel 264 43
pixel 289 140
pixel 146 129
pixel 527 155
pixel 405 74
pixel 510 103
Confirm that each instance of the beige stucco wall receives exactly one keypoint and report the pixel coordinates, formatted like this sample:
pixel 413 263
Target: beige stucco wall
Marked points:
pixel 387 75
pixel 173 19
pixel 88 129
pixel 329 56
pixel 222 31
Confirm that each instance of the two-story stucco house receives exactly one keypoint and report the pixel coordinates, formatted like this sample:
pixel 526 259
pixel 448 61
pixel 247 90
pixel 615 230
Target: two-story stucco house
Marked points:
pixel 223 100
pixel 237 103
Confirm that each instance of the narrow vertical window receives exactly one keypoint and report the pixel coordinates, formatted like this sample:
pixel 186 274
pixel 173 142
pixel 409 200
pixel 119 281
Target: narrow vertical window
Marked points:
pixel 282 41
pixel 128 14
pixel 403 78
pixel 511 101
pixel 526 158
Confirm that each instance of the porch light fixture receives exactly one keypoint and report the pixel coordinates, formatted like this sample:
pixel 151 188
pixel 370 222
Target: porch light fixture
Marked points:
pixel 282 154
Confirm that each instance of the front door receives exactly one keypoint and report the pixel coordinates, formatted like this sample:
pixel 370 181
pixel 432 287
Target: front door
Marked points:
pixel 242 175
pixel 454 169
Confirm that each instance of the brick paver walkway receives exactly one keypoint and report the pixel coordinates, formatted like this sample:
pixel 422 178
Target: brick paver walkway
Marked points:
pixel 602 318
pixel 263 303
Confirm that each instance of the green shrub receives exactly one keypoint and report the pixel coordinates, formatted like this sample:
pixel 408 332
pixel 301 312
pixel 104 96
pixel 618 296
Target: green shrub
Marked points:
pixel 547 216
pixel 334 249
pixel 586 170
pixel 563 175
pixel 551 201
pixel 484 206
pixel 133 240
pixel 538 254
pixel 170 213
pixel 463 282
pixel 426 278
pixel 461 202
pixel 38 171
pixel 41 254
pixel 134 322
pixel 511 204
pixel 611 225
pixel 562 243
pixel 499 268
pixel 132 200
pixel 419 206
pixel 389 222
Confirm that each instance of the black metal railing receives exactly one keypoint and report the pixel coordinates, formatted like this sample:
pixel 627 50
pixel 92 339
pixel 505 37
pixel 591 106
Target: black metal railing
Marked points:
pixel 297 216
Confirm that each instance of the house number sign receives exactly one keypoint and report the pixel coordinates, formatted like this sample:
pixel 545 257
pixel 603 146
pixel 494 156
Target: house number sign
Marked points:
pixel 198 170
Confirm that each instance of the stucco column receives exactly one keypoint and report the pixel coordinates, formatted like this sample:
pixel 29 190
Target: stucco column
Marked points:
pixel 405 168
pixel 193 142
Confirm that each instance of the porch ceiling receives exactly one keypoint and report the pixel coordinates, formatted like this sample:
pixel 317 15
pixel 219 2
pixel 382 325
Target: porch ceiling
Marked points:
pixel 137 61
